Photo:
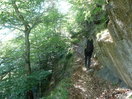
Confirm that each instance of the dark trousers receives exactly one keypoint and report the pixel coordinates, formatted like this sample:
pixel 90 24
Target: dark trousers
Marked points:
pixel 87 61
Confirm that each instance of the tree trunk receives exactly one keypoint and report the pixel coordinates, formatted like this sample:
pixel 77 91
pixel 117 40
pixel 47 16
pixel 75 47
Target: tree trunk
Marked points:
pixel 27 54
pixel 27 61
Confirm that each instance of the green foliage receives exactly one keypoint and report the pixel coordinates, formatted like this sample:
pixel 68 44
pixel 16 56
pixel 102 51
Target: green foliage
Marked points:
pixel 75 41
pixel 47 51
pixel 51 55
pixel 61 91
pixel 90 17
pixel 22 85
pixel 48 47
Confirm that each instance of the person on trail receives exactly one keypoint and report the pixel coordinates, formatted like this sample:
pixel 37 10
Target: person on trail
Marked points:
pixel 88 53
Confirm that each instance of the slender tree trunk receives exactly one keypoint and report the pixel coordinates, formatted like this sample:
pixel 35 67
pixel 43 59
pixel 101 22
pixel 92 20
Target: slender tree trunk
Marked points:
pixel 27 54
pixel 27 61
pixel 27 44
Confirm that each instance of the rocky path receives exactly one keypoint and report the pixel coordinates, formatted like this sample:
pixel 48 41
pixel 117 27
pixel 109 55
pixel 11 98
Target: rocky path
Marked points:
pixel 86 85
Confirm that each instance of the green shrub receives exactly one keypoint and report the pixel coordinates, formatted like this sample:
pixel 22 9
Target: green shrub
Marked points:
pixel 61 91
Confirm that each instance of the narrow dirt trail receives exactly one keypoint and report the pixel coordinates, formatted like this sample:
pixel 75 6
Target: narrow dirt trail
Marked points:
pixel 86 85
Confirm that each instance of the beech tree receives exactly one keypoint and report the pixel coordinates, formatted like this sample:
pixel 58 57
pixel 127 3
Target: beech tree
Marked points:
pixel 24 15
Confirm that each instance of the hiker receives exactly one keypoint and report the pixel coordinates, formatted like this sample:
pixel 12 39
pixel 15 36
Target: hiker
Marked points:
pixel 88 53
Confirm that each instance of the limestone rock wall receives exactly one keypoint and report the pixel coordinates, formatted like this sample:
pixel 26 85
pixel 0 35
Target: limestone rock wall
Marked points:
pixel 116 53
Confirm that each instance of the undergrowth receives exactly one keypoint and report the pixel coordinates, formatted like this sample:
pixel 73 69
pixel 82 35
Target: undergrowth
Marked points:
pixel 61 91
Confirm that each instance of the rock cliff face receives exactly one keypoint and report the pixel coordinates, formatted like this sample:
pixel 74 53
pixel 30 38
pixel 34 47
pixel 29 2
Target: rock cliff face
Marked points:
pixel 115 45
